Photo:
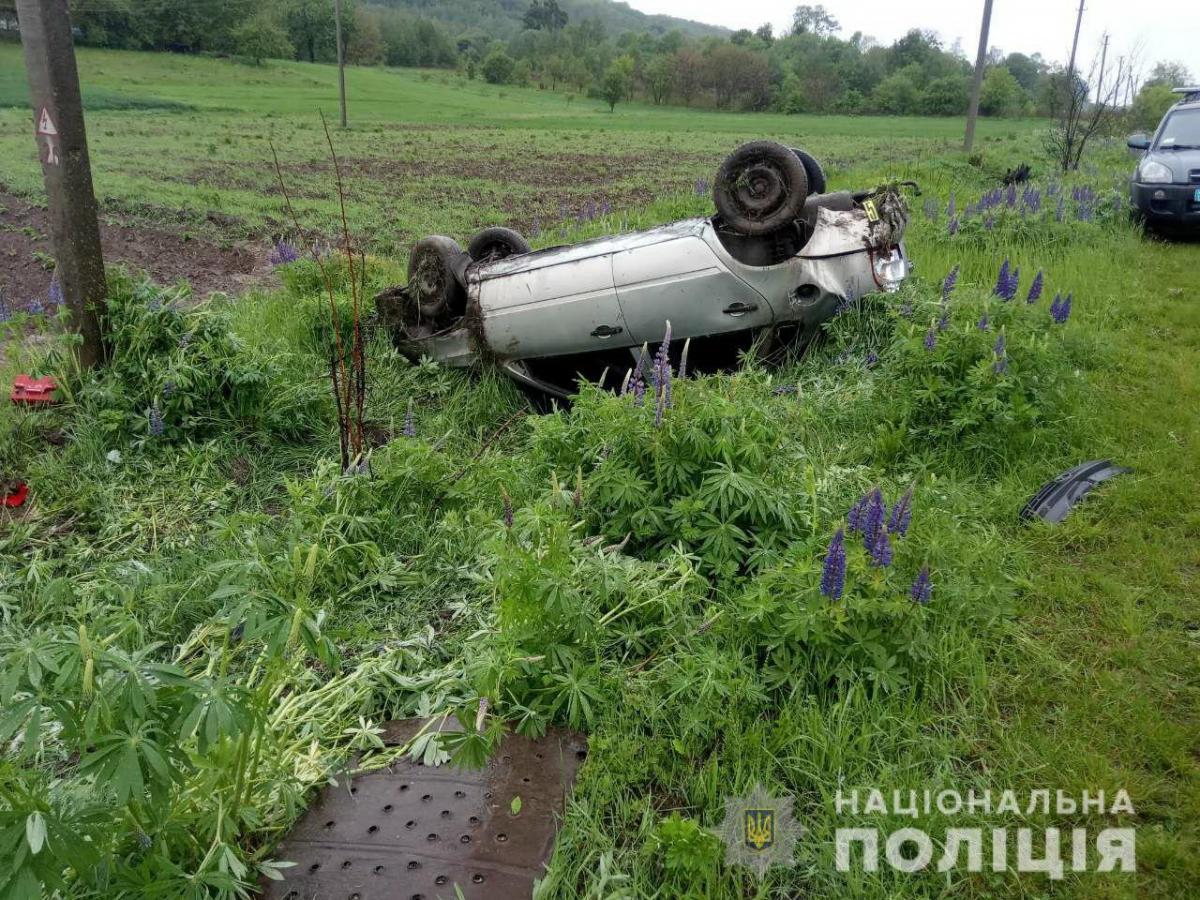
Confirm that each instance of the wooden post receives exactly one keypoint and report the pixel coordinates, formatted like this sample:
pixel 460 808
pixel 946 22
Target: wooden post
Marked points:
pixel 66 170
pixel 977 81
pixel 341 57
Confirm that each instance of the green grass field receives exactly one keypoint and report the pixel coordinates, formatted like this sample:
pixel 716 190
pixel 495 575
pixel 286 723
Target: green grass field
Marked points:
pixel 299 608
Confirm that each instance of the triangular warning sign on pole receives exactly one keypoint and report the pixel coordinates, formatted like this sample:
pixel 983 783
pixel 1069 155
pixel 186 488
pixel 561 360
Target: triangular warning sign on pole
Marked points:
pixel 45 123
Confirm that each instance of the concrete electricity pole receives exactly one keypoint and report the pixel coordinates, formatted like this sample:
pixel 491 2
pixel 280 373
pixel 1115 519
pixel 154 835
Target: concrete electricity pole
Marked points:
pixel 341 57
pixel 45 27
pixel 977 81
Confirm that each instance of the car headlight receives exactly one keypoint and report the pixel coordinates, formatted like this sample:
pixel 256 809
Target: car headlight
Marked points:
pixel 1151 172
pixel 890 270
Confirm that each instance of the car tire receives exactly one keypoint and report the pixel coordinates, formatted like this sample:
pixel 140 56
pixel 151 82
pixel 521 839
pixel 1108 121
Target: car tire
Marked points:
pixel 812 169
pixel 496 243
pixel 760 188
pixel 433 287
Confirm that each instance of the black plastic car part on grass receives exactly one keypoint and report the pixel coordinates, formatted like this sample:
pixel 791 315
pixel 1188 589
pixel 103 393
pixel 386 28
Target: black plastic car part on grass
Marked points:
pixel 1055 500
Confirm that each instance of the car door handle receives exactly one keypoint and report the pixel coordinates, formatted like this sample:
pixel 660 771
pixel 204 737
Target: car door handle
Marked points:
pixel 606 331
pixel 739 309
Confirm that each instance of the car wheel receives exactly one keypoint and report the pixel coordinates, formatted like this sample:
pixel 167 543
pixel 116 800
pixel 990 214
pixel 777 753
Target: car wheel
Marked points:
pixel 496 243
pixel 812 169
pixel 432 285
pixel 760 187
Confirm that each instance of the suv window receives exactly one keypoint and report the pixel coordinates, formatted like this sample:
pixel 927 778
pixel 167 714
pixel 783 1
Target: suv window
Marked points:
pixel 1181 129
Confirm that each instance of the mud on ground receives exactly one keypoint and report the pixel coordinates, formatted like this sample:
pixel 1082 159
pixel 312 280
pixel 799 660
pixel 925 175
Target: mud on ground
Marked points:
pixel 167 256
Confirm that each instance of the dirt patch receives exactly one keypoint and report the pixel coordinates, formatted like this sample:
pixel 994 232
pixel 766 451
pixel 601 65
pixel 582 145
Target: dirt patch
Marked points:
pixel 25 252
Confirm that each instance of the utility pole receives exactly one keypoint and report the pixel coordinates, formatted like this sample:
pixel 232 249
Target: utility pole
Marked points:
pixel 977 81
pixel 1074 47
pixel 341 57
pixel 45 27
pixel 1103 63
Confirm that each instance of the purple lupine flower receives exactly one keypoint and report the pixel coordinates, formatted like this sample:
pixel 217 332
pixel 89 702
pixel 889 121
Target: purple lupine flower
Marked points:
pixel 5 310
pixel 833 572
pixel 156 422
pixel 1060 210
pixel 662 378
pixel 871 360
pixel 857 514
pixel 1001 289
pixel 989 223
pixel 922 589
pixel 952 228
pixel 948 284
pixel 881 550
pixel 984 323
pixel 931 338
pixel 1011 199
pixel 1000 350
pixel 144 841
pixel 1014 282
pixel 944 319
pixel 56 292
pixel 168 390
pixel 901 516
pixel 1060 309
pixel 873 517
pixel 1035 289
pixel 508 508
pixel 410 422
pixel 283 254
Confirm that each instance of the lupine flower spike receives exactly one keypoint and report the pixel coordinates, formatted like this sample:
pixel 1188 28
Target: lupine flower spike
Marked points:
pixel 857 514
pixel 410 422
pixel 1001 352
pixel 901 515
pixel 931 338
pixel 922 588
pixel 833 573
pixel 881 550
pixel 1035 289
pixel 1060 310
pixel 156 422
pixel 949 283
pixel 875 513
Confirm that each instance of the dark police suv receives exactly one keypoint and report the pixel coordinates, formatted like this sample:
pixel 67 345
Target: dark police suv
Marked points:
pixel 1165 190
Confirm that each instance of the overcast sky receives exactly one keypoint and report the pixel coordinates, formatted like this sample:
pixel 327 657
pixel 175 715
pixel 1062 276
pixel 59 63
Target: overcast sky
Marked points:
pixel 1156 29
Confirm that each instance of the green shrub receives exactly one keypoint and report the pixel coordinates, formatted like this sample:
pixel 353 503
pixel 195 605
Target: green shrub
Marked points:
pixel 183 367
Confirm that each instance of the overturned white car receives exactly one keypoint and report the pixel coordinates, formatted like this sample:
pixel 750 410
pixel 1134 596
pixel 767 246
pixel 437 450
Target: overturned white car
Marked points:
pixel 774 259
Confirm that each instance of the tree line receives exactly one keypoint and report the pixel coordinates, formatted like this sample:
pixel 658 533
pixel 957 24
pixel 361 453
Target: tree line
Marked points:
pixel 812 68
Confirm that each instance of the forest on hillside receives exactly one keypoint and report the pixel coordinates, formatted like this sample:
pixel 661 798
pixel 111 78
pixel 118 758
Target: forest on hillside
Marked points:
pixel 603 49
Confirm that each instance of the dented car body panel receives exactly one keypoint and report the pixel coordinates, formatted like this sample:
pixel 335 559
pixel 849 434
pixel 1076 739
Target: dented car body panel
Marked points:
pixel 620 291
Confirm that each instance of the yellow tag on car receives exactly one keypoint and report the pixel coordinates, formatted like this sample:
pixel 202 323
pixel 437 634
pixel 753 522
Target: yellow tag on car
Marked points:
pixel 872 212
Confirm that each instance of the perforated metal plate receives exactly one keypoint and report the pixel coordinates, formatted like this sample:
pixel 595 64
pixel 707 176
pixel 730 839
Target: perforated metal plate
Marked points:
pixel 415 833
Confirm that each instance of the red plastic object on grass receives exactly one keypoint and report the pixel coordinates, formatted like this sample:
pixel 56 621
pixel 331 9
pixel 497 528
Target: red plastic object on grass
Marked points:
pixel 14 494
pixel 34 391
